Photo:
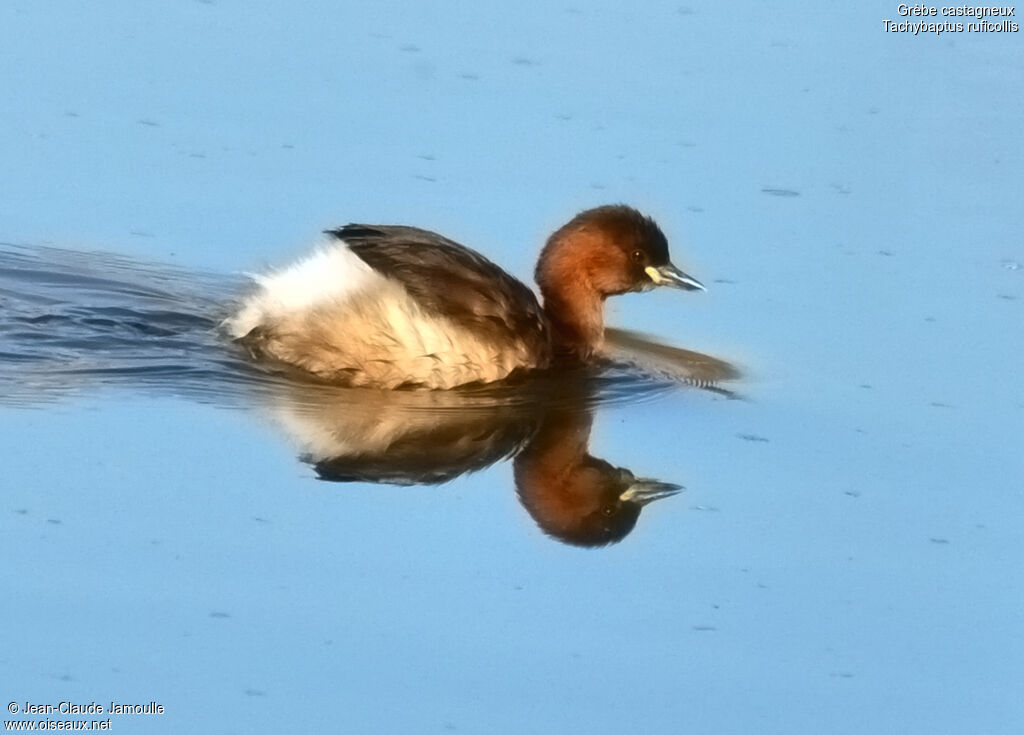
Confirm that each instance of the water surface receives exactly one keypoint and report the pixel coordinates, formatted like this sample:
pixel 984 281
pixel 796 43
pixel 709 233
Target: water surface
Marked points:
pixel 844 556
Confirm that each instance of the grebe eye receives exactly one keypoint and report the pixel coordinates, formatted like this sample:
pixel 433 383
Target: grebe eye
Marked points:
pixel 639 256
pixel 608 511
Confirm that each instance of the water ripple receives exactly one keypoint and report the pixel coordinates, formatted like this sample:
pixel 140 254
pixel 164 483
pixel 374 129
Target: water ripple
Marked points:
pixel 70 321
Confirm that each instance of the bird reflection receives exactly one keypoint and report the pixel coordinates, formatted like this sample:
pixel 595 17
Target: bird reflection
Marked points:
pixel 573 496
pixel 543 424
pixel 400 437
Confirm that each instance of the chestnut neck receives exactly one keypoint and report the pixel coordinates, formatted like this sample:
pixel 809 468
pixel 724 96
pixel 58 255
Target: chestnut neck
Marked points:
pixel 573 302
pixel 576 317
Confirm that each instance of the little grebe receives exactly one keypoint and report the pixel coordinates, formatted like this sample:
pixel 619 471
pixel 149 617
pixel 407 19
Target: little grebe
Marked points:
pixel 390 307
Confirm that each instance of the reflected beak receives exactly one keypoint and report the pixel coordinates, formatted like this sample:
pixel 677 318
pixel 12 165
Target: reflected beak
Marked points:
pixel 669 275
pixel 643 490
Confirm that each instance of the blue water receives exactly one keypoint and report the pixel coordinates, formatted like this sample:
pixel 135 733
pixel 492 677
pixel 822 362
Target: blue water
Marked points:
pixel 844 557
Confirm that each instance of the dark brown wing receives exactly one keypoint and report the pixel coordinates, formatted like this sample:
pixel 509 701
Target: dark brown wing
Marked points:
pixel 452 281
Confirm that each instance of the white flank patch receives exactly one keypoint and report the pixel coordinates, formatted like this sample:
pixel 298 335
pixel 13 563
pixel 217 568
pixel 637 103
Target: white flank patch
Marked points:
pixel 329 274
pixel 331 312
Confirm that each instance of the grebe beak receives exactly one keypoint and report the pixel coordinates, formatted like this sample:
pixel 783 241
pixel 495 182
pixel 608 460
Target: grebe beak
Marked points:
pixel 669 275
pixel 643 490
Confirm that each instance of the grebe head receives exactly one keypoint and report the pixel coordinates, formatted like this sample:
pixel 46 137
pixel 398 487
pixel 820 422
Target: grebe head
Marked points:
pixel 609 250
pixel 601 252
